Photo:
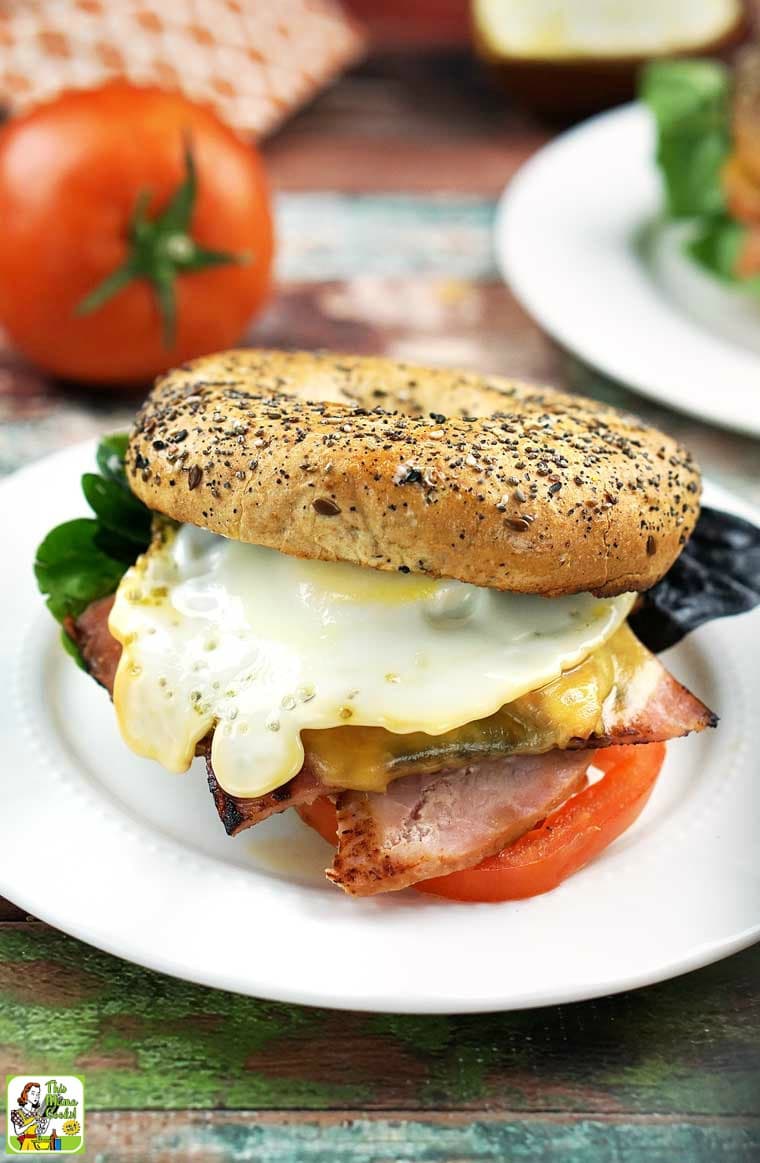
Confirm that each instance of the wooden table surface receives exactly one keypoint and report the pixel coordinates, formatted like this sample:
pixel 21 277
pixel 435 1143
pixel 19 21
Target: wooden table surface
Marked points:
pixel 385 200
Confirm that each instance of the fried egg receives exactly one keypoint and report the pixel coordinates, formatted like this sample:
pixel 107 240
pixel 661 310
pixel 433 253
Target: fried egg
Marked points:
pixel 261 646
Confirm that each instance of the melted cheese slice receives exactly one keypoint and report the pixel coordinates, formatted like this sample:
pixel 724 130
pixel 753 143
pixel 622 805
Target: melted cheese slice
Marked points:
pixel 572 707
pixel 262 646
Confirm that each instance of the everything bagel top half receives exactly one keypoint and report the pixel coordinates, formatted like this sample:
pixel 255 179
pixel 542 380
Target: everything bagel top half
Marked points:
pixel 397 467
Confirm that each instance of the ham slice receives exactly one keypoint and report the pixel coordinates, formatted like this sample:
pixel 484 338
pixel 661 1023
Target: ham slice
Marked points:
pixel 99 649
pixel 653 708
pixel 237 814
pixel 430 825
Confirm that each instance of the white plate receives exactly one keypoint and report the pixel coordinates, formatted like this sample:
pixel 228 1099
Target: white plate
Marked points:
pixel 114 850
pixel 580 241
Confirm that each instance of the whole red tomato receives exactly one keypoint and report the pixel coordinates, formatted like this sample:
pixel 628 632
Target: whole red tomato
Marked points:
pixel 135 233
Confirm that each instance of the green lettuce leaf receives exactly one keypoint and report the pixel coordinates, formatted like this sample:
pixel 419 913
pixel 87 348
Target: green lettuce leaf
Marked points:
pixel 86 558
pixel 716 247
pixel 690 101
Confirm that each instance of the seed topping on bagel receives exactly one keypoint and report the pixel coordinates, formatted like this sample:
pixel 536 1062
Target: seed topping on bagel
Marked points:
pixel 427 470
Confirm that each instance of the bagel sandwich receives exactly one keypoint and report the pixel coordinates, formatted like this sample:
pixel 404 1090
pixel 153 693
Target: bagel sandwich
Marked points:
pixel 394 598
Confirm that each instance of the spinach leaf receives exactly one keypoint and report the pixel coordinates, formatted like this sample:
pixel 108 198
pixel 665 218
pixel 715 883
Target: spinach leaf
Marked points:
pixel 690 103
pixel 72 570
pixel 110 457
pixel 119 548
pixel 116 509
pixel 717 574
pixel 71 648
pixel 86 558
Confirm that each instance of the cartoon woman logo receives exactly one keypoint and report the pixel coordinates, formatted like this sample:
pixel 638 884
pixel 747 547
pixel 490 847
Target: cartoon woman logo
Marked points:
pixel 30 1122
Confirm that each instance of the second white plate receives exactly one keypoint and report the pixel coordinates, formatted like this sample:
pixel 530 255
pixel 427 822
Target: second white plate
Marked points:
pixel 580 242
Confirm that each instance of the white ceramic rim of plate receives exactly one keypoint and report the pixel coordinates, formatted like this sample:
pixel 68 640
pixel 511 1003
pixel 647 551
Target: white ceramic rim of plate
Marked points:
pixel 578 274
pixel 167 903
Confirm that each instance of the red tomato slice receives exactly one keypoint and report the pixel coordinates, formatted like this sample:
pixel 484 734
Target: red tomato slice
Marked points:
pixel 565 842
pixel 320 815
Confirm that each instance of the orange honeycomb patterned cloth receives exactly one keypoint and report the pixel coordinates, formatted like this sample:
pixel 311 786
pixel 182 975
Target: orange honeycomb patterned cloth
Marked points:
pixel 255 61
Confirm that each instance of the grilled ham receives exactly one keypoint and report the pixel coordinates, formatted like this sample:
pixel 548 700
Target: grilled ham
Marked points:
pixel 238 813
pixel 99 649
pixel 430 825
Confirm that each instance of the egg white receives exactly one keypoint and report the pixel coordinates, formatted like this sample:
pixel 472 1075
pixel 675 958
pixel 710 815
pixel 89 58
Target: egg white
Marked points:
pixel 261 646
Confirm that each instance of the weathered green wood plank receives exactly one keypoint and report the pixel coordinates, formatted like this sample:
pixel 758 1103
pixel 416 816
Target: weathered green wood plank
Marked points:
pixel 239 1138
pixel 327 236
pixel 690 1047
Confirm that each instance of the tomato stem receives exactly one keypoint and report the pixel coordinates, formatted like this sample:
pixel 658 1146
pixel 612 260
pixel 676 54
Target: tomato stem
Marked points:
pixel 160 249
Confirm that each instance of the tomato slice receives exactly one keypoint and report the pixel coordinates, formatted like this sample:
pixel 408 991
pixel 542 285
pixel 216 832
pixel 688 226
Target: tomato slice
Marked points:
pixel 569 838
pixel 320 815
pixel 562 844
